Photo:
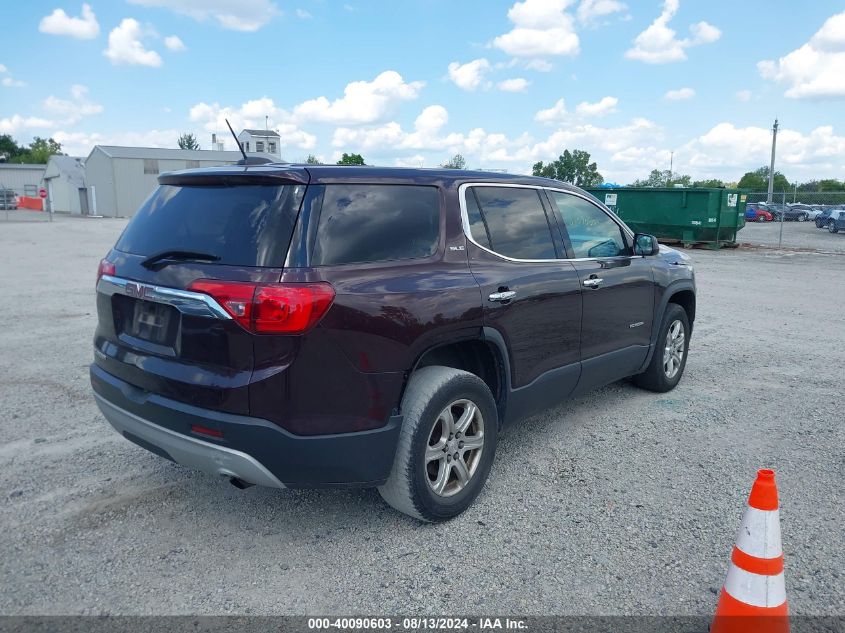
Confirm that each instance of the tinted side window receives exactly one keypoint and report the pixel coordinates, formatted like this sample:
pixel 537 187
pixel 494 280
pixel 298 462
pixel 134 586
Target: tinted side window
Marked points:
pixel 516 222
pixel 374 223
pixel 477 225
pixel 591 232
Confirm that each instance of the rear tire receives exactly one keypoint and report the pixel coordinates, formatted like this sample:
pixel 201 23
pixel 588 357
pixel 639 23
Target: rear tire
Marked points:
pixel 761 218
pixel 422 483
pixel 667 364
pixel 831 226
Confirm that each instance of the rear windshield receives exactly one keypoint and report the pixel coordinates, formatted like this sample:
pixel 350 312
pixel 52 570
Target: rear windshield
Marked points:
pixel 242 225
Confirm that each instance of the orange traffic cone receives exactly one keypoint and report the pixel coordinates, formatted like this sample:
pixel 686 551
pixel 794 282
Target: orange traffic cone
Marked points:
pixel 753 599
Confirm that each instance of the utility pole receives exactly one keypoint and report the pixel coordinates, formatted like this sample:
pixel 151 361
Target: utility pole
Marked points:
pixel 772 167
pixel 671 167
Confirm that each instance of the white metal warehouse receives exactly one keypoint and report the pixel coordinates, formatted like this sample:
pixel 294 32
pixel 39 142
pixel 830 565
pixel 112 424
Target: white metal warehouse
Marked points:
pixel 65 183
pixel 23 179
pixel 121 178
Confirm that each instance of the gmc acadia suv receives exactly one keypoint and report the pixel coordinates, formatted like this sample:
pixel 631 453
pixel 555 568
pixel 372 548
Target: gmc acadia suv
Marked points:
pixel 321 326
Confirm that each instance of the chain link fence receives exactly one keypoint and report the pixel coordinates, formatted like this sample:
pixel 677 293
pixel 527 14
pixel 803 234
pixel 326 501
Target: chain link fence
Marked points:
pixel 23 204
pixel 789 231
pixel 810 198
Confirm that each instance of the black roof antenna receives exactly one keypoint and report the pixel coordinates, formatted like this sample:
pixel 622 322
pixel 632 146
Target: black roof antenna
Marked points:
pixel 255 160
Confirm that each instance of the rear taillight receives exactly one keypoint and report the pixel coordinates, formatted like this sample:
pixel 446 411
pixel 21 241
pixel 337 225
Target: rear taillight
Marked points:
pixel 105 268
pixel 270 308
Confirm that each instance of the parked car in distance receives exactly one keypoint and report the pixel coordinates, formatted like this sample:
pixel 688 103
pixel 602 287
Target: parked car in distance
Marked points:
pixel 8 199
pixel 821 218
pixel 329 326
pixel 836 221
pixel 787 213
pixel 757 212
pixel 811 211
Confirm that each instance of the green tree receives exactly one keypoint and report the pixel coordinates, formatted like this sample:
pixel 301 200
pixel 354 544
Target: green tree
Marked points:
pixel 663 178
pixel 712 183
pixel 572 167
pixel 188 141
pixel 456 162
pixel 758 180
pixel 312 160
pixel 38 152
pixel 9 149
pixel 351 159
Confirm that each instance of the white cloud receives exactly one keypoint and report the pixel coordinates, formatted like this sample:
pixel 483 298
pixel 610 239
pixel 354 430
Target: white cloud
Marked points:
pixel 816 70
pixel 15 123
pixel 555 114
pixel 81 143
pixel 362 101
pixel 515 84
pixel 302 14
pixel 235 15
pixel 10 82
pixel 417 160
pixel 800 155
pixel 541 28
pixel 591 10
pixel 658 44
pixel 251 114
pixel 174 44
pixel 744 95
pixel 126 47
pixel 70 111
pixel 680 94
pixel 58 22
pixel 540 65
pixel 607 105
pixel 469 76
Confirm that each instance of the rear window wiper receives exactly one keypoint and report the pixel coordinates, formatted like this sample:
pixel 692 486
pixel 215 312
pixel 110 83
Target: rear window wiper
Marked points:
pixel 163 258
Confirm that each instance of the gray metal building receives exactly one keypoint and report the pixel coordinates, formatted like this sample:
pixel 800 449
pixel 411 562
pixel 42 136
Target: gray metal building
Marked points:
pixel 119 179
pixel 64 180
pixel 24 180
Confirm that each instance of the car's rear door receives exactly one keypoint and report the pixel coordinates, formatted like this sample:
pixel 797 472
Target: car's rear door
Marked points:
pixel 531 297
pixel 618 289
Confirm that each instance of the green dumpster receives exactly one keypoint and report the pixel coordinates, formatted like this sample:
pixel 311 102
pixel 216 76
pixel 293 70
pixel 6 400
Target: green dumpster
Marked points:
pixel 688 215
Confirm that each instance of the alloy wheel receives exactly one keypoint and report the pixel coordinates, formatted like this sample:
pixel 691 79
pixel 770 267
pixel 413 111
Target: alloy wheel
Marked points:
pixel 454 447
pixel 673 352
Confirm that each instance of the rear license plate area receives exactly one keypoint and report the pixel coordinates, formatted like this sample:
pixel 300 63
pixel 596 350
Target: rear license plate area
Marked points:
pixel 148 321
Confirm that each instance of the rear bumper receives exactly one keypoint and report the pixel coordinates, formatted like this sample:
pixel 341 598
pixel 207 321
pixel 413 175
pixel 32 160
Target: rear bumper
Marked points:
pixel 251 449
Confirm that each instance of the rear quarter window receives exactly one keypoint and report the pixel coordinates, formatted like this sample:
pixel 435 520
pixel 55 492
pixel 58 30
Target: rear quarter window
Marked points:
pixel 376 223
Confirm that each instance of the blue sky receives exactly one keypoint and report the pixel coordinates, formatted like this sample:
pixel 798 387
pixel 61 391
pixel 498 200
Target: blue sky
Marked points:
pixel 411 83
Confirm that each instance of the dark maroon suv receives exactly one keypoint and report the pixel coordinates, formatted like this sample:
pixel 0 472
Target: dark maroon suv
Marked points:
pixel 317 326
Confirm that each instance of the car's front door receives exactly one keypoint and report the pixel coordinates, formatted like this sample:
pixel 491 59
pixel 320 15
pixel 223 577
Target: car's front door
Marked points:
pixel 531 297
pixel 618 290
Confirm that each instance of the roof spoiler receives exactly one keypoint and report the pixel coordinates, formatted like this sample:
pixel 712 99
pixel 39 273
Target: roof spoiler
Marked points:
pixel 254 160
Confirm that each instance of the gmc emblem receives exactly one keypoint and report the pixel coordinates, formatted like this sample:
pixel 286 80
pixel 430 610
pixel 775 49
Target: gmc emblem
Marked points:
pixel 133 289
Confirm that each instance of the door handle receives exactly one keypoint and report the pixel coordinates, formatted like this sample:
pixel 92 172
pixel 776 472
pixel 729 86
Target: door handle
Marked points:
pixel 506 295
pixel 593 283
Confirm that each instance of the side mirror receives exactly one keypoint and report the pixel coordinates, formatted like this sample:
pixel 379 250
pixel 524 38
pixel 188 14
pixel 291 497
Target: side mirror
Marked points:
pixel 645 245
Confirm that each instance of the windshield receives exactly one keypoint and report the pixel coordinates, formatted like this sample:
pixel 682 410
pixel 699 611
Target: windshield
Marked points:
pixel 240 225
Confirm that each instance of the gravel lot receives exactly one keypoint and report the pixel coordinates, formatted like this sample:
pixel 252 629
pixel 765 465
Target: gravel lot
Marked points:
pixel 620 502
pixel 796 235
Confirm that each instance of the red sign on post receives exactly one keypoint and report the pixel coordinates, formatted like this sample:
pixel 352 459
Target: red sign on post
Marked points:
pixel 42 192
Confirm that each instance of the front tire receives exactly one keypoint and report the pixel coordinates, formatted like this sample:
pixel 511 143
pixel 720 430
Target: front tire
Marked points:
pixel 670 357
pixel 446 446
